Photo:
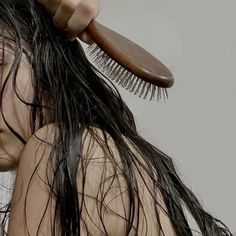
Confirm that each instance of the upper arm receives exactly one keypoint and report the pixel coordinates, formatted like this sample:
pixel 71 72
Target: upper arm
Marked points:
pixel 35 192
pixel 30 188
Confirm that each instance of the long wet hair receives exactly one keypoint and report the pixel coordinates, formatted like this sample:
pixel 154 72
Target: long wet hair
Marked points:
pixel 83 99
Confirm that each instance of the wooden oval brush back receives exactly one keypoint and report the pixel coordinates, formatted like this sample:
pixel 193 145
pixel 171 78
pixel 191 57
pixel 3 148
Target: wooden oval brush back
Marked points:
pixel 130 55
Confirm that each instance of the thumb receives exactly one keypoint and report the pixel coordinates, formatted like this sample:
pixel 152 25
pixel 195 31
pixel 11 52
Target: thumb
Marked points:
pixel 86 38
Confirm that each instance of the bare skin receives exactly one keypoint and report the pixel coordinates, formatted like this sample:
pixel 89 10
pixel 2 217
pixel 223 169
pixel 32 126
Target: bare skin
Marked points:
pixel 116 199
pixel 14 111
pixel 71 16
pixel 20 156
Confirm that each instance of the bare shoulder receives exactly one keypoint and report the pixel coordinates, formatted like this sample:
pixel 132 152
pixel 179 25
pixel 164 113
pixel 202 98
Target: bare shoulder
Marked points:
pixel 30 193
pixel 46 134
pixel 107 182
pixel 31 184
pixel 100 182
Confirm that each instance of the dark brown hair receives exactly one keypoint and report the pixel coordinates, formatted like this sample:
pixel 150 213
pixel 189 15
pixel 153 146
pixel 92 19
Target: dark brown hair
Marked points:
pixel 83 99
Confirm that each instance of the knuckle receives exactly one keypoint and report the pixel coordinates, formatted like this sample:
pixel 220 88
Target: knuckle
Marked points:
pixel 68 6
pixel 58 23
pixel 52 2
pixel 49 5
pixel 88 8
pixel 72 29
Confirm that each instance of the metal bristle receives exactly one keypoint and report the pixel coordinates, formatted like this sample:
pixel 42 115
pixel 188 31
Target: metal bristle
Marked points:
pixel 92 50
pixel 122 76
pixel 139 85
pixel 142 91
pixel 98 57
pixel 131 81
pixel 147 90
pixel 91 47
pixel 159 93
pixel 110 62
pixel 110 70
pixel 124 79
pixel 115 72
pixel 134 86
pixel 103 61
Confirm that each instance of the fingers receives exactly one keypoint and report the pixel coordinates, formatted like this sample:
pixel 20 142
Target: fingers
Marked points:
pixel 73 16
pixel 50 5
pixel 85 37
pixel 81 17
pixel 64 12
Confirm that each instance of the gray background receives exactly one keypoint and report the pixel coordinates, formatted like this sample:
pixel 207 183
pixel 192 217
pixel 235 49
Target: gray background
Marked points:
pixel 196 126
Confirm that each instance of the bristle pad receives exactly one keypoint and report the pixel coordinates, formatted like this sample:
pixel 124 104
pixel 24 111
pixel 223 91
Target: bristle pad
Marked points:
pixel 122 76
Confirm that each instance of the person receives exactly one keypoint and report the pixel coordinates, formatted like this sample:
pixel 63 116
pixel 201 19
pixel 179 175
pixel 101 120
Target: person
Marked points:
pixel 82 167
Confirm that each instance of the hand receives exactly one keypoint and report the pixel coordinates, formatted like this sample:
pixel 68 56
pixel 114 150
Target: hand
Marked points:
pixel 73 16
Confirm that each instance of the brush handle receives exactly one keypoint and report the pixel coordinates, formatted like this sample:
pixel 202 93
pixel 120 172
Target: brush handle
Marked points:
pixel 130 55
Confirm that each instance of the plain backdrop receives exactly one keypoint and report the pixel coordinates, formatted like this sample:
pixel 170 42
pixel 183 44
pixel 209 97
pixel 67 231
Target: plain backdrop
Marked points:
pixel 196 126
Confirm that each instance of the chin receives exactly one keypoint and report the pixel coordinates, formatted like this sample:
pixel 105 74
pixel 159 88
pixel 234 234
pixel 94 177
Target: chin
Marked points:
pixel 8 163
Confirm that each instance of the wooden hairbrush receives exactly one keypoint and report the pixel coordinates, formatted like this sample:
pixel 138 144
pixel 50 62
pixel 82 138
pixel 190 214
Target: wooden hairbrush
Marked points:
pixel 128 64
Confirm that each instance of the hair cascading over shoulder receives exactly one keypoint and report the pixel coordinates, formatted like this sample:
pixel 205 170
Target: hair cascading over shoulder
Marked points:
pixel 82 100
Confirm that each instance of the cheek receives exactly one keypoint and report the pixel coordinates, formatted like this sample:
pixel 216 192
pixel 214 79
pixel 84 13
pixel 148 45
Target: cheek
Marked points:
pixel 14 110
pixel 17 114
pixel 10 150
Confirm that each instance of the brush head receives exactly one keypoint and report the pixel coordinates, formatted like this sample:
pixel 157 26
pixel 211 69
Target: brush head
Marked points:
pixel 130 56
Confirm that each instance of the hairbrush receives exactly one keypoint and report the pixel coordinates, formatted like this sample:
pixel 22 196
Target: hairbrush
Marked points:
pixel 128 64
